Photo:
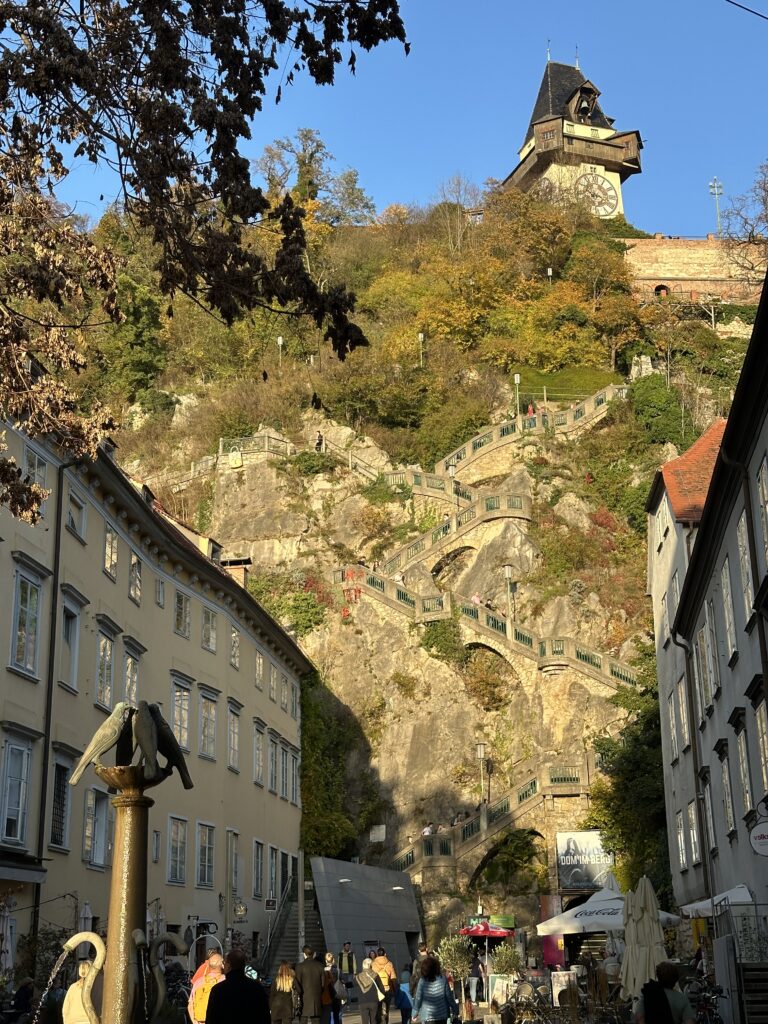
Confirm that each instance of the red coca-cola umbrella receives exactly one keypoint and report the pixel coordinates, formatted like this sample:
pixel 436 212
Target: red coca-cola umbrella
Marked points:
pixel 486 930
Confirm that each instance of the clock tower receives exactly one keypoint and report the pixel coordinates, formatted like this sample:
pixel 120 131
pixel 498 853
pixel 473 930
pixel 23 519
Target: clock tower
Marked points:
pixel 572 146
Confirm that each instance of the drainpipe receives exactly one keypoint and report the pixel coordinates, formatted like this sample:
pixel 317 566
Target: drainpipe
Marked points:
pixel 49 685
pixel 749 509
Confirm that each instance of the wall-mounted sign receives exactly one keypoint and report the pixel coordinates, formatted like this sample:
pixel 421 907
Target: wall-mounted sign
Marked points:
pixel 270 906
pixel 758 838
pixel 582 863
pixel 378 833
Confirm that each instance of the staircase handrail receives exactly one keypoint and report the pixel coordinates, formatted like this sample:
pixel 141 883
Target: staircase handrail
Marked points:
pixel 278 920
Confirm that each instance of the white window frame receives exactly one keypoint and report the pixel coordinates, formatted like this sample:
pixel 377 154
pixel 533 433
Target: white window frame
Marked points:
pixel 181 711
pixel 105 669
pixel 71 612
pixel 284 692
pixel 682 703
pixel 205 882
pixel 36 471
pixel 273 871
pixel 233 839
pixel 258 671
pixel 257 875
pixel 744 777
pixel 207 724
pixel 272 764
pixel 77 522
pixel 761 721
pixel 284 772
pixel 671 718
pixel 745 567
pixel 210 629
pixel 675 588
pixel 233 737
pixel 234 646
pixel 682 852
pixel 60 761
pixel 111 552
pixel 708 815
pixel 762 491
pixel 259 754
pixel 295 700
pixel 713 653
pixel 96 847
pixel 273 681
pixel 182 615
pixel 693 833
pixel 177 861
pixel 727 598
pixel 28 665
pixel 134 578
pixel 156 845
pixel 21 747
pixel 665 631
pixel 159 592
pixel 703 665
pixel 295 780
pixel 131 662
pixel 725 776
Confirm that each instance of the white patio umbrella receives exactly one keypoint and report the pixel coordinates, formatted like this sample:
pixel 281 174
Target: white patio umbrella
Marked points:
pixel 644 938
pixel 602 912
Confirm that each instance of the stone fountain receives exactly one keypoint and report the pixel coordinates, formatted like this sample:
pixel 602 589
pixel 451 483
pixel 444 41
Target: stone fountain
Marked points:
pixel 125 993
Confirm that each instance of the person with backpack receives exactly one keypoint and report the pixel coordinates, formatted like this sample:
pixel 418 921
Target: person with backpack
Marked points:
pixel 433 1000
pixel 370 994
pixel 385 969
pixel 661 1003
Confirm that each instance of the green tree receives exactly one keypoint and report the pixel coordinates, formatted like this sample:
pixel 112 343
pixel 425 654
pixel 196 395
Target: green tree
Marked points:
pixel 598 267
pixel 658 409
pixel 513 856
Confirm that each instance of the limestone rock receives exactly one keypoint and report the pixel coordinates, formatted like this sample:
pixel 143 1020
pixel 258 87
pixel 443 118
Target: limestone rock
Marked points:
pixel 575 511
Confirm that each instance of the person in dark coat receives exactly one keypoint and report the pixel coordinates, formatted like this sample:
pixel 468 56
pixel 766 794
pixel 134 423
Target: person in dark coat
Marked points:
pixel 283 996
pixel 370 994
pixel 237 997
pixel 309 982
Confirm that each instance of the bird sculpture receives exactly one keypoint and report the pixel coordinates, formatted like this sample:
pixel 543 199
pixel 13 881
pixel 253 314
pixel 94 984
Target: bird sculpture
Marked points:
pixel 126 743
pixel 168 746
pixel 105 737
pixel 145 738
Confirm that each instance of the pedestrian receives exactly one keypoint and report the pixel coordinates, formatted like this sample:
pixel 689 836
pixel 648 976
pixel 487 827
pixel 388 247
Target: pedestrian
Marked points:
pixel 476 599
pixel 347 966
pixel 405 975
pixel 319 441
pixel 370 994
pixel 284 996
pixel 422 954
pixel 531 409
pixel 403 1003
pixel 21 1004
pixel 429 829
pixel 659 1002
pixel 475 975
pixel 388 979
pixel 332 992
pixel 309 982
pixel 237 997
pixel 433 1000
pixel 201 970
pixel 201 989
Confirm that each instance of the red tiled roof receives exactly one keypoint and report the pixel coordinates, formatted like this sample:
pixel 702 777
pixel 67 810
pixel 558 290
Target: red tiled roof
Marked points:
pixel 687 477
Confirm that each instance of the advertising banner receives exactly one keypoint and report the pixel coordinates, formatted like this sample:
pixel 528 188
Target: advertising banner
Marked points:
pixel 582 863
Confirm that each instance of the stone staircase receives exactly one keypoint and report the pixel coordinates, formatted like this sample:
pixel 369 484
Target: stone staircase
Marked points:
pixel 754 987
pixel 551 654
pixel 285 946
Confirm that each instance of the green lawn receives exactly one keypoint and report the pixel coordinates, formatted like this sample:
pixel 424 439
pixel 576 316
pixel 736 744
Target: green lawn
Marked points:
pixel 564 386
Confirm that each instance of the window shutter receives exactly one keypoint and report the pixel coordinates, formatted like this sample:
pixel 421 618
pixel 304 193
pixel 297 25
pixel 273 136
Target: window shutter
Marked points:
pixel 89 825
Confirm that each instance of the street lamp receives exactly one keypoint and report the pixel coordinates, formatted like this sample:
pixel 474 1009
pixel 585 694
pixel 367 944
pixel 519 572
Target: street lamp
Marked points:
pixel 452 474
pixel 280 351
pixel 480 754
pixel 421 348
pixel 517 395
pixel 716 190
pixel 511 591
pixel 549 275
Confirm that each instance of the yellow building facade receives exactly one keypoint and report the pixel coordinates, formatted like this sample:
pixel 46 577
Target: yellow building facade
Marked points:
pixel 107 599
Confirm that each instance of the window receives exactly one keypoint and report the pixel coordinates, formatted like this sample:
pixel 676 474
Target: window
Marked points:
pixel 682 855
pixel 693 833
pixel 747 590
pixel 283 773
pixel 708 817
pixel 284 692
pixel 35 469
pixel 712 648
pixel 746 782
pixel 762 490
pixel 14 794
pixel 730 629
pixel 110 552
pixel 547 135
pixel 258 756
pixel 272 872
pixel 70 648
pixel 662 524
pixel 205 846
pixel 675 592
pixel 672 726
pixel 134 579
pixel 234 861
pixel 131 678
pixel 26 623
pixel 233 738
pixel 664 619
pixel 177 851
pixel 234 647
pixel 155 846
pixel 104 670
pixel 76 515
pixel 160 593
pixel 295 700
pixel 761 715
pixel 701 669
pixel 209 629
pixel 207 726
pixel 272 681
pixel 730 822
pixel 181 615
pixel 180 719
pixel 258 869
pixel 258 676
pixel 96 828
pixel 272 765
pixel 682 704
pixel 294 779
pixel 60 804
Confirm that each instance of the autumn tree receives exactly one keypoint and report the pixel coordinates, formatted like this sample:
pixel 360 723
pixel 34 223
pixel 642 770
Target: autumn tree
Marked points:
pixel 745 227
pixel 163 95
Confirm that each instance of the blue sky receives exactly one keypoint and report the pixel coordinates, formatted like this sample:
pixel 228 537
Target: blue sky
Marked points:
pixel 683 72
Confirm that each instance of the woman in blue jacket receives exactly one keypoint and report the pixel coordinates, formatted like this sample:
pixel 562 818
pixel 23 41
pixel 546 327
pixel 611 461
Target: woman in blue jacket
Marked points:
pixel 433 999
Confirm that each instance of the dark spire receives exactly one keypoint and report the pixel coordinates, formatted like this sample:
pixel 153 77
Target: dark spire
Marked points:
pixel 558 85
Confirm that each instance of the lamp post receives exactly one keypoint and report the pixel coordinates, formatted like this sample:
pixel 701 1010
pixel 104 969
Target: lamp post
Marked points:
pixel 452 474
pixel 421 348
pixel 280 351
pixel 517 395
pixel 489 773
pixel 549 276
pixel 480 754
pixel 511 591
pixel 716 190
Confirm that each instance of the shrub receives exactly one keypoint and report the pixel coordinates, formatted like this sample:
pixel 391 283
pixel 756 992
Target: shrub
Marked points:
pixel 442 639
pixel 292 598
pixel 309 464
pixel 381 492
pixel 404 684
pixel 507 959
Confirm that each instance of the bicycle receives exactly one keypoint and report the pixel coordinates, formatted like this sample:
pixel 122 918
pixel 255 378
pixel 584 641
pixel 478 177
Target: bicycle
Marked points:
pixel 704 998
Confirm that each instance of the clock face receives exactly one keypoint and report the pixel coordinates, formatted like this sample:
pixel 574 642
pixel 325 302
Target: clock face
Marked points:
pixel 602 197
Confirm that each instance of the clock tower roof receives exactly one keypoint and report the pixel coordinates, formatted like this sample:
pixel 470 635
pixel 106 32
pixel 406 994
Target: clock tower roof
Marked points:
pixel 558 91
